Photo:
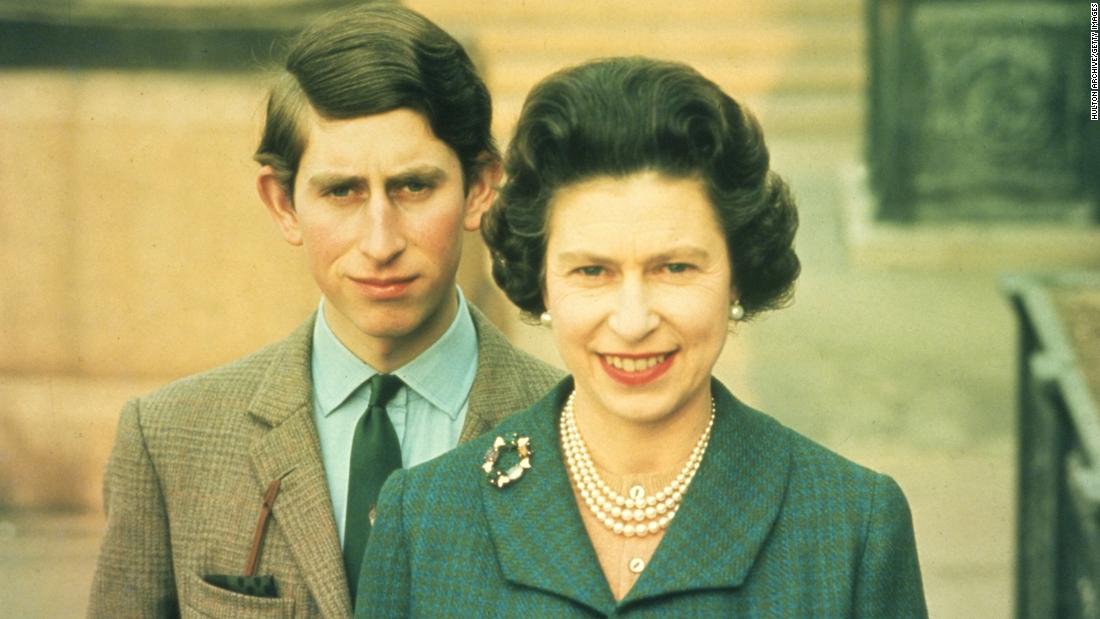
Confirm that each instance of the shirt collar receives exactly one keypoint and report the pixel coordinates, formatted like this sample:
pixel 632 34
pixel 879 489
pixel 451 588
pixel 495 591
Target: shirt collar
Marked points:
pixel 442 374
pixel 337 372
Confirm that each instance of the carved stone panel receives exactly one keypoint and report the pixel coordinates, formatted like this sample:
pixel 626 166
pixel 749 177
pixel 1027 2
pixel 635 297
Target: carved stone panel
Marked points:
pixel 992 104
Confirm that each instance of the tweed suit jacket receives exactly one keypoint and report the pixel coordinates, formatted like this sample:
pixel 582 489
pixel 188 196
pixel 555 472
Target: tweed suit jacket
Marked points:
pixel 191 462
pixel 773 525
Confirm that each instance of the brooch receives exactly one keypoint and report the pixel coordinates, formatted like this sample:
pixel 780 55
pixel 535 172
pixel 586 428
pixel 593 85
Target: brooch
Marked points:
pixel 513 442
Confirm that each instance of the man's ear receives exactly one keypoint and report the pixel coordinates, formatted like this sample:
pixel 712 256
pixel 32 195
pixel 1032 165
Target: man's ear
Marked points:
pixel 482 190
pixel 279 203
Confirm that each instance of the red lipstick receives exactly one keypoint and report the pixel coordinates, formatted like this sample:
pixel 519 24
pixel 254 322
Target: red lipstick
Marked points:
pixel 636 378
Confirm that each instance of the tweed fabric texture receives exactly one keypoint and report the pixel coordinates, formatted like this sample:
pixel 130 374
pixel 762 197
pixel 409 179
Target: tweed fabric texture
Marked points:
pixel 773 526
pixel 186 477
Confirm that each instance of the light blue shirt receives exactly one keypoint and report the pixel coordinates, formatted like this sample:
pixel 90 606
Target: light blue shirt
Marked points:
pixel 427 412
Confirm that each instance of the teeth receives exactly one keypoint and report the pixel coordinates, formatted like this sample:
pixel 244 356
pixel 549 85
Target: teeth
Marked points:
pixel 634 365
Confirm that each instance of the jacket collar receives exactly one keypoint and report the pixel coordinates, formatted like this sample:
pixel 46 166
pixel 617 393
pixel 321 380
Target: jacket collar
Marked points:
pixel 537 531
pixel 728 512
pixel 720 529
pixel 290 450
pixel 493 394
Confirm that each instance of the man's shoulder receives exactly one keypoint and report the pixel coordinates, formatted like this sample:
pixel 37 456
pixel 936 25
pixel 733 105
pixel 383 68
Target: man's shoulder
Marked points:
pixel 508 379
pixel 232 385
pixel 500 353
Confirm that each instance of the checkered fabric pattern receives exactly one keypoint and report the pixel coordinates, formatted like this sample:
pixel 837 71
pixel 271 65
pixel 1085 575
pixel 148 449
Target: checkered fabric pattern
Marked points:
pixel 773 526
pixel 187 474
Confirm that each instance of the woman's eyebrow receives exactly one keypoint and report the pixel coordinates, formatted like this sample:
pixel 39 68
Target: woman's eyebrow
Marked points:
pixel 581 256
pixel 682 252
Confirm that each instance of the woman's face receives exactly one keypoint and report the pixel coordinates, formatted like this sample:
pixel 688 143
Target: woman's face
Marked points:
pixel 638 284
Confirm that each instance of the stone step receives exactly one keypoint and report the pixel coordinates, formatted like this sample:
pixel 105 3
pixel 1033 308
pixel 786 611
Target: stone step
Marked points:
pixel 742 77
pixel 479 14
pixel 797 116
pixel 838 39
pixel 800 64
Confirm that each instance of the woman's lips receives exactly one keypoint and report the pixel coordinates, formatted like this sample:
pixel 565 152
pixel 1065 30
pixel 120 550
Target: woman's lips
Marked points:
pixel 383 289
pixel 636 369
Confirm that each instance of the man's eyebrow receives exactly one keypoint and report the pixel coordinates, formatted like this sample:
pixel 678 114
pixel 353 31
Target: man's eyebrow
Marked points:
pixel 427 174
pixel 325 180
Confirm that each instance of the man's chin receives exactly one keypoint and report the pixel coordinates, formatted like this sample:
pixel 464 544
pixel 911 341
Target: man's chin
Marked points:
pixel 390 329
pixel 395 326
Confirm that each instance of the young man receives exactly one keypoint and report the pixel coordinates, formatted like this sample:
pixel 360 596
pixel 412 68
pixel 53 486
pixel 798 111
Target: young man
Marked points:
pixel 248 490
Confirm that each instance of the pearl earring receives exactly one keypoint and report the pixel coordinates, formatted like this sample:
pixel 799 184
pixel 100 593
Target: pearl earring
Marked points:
pixel 737 312
pixel 545 319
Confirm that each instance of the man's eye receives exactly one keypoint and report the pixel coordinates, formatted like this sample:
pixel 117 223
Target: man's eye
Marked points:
pixel 591 271
pixel 412 190
pixel 678 267
pixel 339 191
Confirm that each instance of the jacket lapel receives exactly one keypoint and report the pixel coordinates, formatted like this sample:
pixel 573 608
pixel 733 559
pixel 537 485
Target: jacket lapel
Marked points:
pixel 537 532
pixel 728 511
pixel 492 396
pixel 291 451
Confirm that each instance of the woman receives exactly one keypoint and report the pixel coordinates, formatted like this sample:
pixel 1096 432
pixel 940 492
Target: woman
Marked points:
pixel 640 219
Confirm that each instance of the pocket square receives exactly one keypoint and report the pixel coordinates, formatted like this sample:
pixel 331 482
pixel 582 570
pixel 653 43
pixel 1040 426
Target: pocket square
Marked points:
pixel 256 586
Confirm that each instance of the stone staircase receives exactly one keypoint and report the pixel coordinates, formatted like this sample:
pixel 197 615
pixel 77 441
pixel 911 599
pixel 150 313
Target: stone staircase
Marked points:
pixel 799 65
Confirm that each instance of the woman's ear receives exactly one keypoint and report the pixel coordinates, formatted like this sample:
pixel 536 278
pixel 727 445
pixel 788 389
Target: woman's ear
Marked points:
pixel 482 190
pixel 279 204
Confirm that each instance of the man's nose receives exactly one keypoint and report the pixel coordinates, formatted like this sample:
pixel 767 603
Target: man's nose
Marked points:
pixel 382 235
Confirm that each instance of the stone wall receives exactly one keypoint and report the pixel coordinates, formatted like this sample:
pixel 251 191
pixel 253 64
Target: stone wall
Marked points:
pixel 134 250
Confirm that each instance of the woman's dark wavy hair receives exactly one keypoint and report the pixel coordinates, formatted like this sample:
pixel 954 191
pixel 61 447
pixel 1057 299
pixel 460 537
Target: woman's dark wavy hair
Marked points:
pixel 621 116
pixel 374 58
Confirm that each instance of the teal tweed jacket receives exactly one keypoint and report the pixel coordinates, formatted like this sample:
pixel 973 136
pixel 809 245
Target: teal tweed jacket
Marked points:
pixel 773 525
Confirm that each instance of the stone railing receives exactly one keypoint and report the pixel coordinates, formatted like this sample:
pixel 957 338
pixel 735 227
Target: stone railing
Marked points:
pixel 1058 540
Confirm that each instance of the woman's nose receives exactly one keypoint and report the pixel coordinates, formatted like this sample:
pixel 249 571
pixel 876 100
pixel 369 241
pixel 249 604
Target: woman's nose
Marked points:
pixel 633 317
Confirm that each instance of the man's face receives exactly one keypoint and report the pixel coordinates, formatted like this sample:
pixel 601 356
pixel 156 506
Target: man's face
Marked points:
pixel 380 207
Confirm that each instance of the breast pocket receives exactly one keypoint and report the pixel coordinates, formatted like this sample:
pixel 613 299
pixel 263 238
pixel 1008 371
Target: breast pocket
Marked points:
pixel 203 599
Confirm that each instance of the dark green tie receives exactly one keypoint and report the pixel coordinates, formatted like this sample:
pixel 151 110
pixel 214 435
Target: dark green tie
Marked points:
pixel 375 453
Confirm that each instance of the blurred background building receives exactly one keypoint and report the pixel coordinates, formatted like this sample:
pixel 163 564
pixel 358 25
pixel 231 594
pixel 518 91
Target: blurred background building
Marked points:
pixel 932 146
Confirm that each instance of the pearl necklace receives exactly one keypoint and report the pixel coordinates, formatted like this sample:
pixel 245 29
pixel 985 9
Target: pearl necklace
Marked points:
pixel 638 514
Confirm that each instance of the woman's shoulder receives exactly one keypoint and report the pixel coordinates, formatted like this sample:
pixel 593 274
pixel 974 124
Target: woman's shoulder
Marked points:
pixel 817 471
pixel 819 485
pixel 823 476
